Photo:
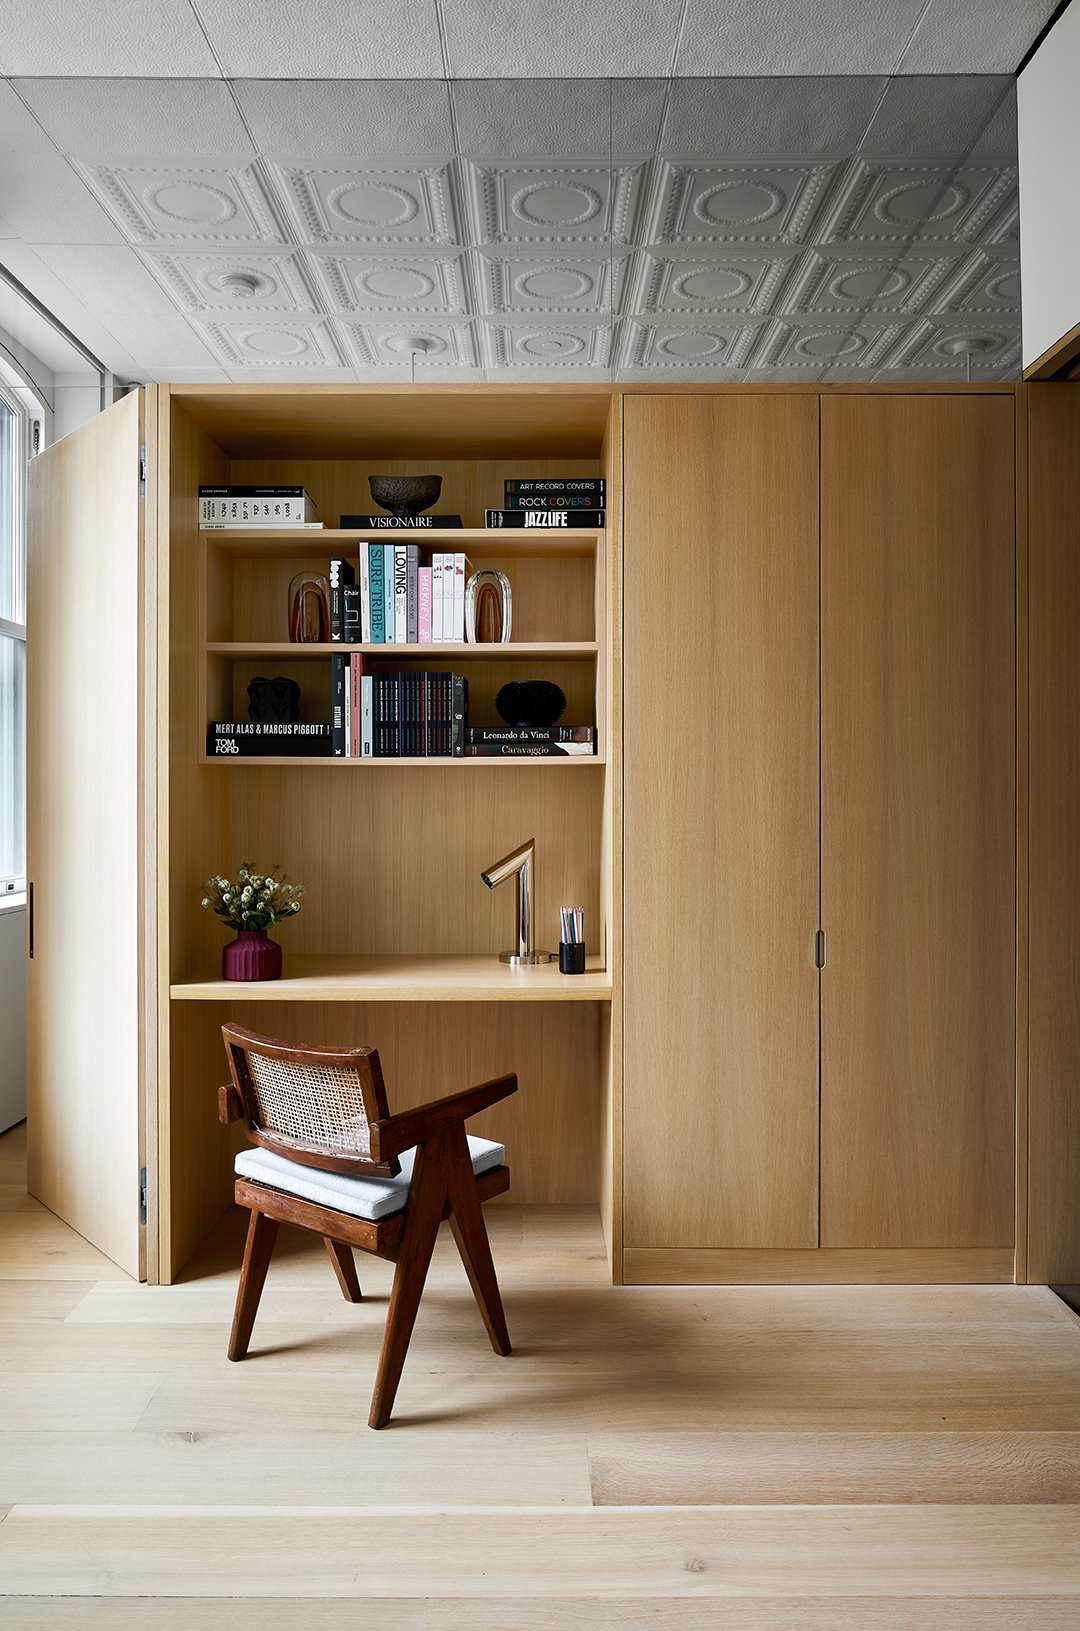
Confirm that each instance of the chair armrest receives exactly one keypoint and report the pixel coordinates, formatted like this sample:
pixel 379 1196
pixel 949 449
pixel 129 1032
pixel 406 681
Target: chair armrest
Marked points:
pixel 396 1133
pixel 229 1105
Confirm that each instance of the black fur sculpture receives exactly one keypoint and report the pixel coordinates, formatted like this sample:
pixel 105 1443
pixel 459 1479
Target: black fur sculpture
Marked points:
pixel 530 702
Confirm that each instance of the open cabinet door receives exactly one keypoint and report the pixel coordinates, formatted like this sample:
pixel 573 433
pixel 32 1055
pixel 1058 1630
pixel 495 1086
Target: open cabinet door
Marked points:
pixel 85 620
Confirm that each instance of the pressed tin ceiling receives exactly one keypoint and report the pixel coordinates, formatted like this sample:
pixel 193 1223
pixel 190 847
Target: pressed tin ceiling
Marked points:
pixel 667 226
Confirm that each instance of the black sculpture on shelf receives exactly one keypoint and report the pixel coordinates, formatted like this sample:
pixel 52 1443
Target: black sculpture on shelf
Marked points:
pixel 530 702
pixel 273 702
pixel 405 496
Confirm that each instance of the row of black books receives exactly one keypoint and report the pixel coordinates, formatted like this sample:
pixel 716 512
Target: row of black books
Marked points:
pixel 395 714
pixel 550 501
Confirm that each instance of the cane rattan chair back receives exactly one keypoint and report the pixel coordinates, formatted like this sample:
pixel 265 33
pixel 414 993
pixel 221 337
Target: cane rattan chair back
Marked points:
pixel 312 1105
pixel 325 1108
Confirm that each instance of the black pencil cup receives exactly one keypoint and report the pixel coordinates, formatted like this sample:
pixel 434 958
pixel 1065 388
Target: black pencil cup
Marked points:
pixel 571 958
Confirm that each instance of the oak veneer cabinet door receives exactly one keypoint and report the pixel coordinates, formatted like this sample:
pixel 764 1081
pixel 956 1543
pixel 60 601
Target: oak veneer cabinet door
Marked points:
pixel 84 852
pixel 918 821
pixel 720 821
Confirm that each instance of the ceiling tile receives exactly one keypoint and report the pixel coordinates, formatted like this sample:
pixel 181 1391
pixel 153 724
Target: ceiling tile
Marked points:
pixel 988 38
pixel 242 280
pixel 667 346
pixel 553 204
pixel 524 285
pixel 883 202
pixel 763 118
pixel 383 343
pixel 777 37
pixel 293 120
pixel 588 38
pixel 824 342
pixel 122 37
pixel 714 204
pixel 44 201
pixel 934 117
pixel 637 113
pixel 323 39
pixel 564 346
pixel 708 285
pixel 526 118
pixel 852 279
pixel 989 284
pixel 392 284
pixel 114 284
pixel 137 116
pixel 400 205
pixel 285 343
pixel 158 201
pixel 998 139
pixel 20 132
pixel 929 344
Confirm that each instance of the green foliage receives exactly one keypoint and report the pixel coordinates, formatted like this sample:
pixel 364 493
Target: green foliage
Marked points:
pixel 256 901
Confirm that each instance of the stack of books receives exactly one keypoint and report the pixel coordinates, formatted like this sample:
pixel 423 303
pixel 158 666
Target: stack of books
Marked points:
pixel 407 595
pixel 380 715
pixel 529 741
pixel 550 501
pixel 223 507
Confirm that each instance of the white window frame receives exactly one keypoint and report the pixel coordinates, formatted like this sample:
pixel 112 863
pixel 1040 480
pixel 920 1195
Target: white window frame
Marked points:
pixel 14 887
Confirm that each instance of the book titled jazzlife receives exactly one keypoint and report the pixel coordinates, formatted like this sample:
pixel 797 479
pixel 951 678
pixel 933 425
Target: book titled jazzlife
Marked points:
pixel 544 518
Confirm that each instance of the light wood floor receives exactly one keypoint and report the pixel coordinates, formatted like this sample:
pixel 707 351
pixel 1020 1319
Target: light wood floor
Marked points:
pixel 750 1459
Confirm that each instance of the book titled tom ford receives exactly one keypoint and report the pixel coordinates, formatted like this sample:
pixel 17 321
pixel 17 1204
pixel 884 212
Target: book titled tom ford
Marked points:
pixel 374 523
pixel 292 739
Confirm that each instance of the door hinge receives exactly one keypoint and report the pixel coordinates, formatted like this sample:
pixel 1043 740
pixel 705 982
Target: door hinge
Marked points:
pixel 142 469
pixel 819 949
pixel 142 1194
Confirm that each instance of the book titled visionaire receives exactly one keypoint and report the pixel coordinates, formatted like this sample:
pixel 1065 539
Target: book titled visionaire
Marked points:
pixel 416 523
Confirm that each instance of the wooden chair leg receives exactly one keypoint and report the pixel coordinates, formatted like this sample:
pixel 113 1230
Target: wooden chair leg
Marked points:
pixel 345 1268
pixel 261 1235
pixel 427 1197
pixel 470 1233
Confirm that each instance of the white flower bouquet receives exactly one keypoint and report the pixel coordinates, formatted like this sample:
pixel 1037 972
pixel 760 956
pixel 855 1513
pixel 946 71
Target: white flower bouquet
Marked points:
pixel 256 901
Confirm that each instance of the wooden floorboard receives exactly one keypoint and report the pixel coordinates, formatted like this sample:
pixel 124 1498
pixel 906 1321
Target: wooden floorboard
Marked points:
pixel 758 1458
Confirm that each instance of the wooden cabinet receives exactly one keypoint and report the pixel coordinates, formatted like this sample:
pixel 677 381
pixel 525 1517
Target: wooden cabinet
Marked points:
pixel 855 1122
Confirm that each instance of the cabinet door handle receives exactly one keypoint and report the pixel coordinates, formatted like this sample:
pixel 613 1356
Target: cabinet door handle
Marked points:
pixel 819 949
pixel 30 918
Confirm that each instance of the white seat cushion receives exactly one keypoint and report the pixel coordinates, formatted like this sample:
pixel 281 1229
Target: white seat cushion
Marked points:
pixel 371 1198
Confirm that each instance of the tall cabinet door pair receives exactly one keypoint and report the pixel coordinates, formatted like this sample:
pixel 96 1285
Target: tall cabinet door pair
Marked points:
pixel 819 864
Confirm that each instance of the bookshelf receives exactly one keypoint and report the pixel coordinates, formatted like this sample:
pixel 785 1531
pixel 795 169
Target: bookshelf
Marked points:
pixel 397 944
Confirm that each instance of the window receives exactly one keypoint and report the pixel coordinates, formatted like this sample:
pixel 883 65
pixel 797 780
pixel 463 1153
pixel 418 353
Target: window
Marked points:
pixel 14 428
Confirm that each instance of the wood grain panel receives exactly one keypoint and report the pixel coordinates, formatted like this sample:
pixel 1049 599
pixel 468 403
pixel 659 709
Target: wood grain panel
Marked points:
pixel 1054 1036
pixel 84 744
pixel 792 1469
pixel 721 821
pixel 824 1266
pixel 918 822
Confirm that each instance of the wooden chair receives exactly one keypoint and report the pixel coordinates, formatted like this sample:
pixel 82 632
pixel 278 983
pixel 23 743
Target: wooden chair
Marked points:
pixel 330 1157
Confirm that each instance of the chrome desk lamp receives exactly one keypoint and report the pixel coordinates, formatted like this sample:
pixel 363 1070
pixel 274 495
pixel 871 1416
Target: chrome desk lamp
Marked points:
pixel 520 863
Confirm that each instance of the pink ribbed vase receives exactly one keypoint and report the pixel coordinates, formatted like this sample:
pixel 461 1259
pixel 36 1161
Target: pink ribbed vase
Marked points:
pixel 251 956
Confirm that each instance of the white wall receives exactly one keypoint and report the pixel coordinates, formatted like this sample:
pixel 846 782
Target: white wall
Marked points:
pixel 1048 131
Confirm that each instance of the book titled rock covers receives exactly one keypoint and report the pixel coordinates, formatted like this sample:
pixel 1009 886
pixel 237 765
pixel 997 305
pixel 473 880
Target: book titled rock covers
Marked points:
pixel 223 507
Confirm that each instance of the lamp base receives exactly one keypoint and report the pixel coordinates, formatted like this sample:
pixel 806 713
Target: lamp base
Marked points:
pixel 515 961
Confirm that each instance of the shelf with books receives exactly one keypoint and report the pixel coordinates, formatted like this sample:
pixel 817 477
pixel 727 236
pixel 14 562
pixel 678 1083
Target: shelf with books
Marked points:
pixel 569 651
pixel 406 979
pixel 305 544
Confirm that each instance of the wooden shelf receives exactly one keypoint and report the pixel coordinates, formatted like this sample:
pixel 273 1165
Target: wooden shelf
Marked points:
pixel 306 543
pixel 435 762
pixel 549 650
pixel 406 979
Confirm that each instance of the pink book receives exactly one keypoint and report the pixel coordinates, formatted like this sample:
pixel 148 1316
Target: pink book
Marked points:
pixel 423 597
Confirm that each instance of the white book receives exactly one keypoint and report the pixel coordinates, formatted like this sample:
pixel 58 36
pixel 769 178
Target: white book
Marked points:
pixel 459 598
pixel 257 512
pixel 437 559
pixel 401 594
pixel 366 733
pixel 365 596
